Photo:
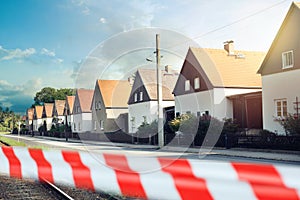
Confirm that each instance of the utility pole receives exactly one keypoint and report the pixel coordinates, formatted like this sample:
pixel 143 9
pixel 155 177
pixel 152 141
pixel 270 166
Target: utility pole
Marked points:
pixel 160 124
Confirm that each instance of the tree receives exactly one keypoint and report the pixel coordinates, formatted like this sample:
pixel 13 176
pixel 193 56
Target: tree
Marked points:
pixel 49 95
pixel 63 92
pixel 46 95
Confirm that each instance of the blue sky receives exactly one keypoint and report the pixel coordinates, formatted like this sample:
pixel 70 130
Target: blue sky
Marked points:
pixel 52 42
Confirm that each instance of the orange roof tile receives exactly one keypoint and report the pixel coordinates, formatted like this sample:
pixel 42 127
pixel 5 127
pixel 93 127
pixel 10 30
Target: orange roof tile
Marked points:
pixel 48 108
pixel 115 93
pixel 38 111
pixel 223 70
pixel 60 107
pixel 85 97
pixel 70 103
pixel 30 113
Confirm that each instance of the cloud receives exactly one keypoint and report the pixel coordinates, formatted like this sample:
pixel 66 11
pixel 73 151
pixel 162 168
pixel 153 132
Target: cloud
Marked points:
pixel 18 97
pixel 47 52
pixel 6 54
pixel 121 55
pixel 102 20
pixel 86 11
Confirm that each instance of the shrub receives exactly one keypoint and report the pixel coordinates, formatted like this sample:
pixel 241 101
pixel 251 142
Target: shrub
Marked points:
pixel 147 129
pixel 291 125
pixel 185 123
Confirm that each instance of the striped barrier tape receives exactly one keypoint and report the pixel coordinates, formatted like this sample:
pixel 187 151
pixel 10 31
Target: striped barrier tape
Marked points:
pixel 153 178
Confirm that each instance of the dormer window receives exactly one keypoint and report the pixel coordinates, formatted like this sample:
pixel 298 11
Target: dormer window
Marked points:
pixel 187 85
pixel 287 59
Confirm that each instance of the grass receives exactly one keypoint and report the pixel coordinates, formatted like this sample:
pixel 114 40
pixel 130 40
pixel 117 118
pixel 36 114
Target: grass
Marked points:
pixel 12 142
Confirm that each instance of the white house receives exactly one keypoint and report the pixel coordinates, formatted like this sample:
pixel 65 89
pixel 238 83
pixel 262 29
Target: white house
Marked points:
pixel 82 114
pixel 109 106
pixel 280 73
pixel 69 110
pixel 58 111
pixel 37 117
pixel 142 103
pixel 29 118
pixel 209 77
pixel 48 115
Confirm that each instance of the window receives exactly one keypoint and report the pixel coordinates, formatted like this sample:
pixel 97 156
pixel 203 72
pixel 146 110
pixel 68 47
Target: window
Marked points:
pixel 78 109
pixel 135 97
pixel 187 85
pixel 79 127
pixel 141 96
pixel 98 105
pixel 95 125
pixel 287 59
pixel 177 114
pixel 101 125
pixel 281 108
pixel 74 127
pixel 197 83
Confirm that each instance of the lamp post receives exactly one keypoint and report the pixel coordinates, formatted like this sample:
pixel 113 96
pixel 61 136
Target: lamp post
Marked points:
pixel 160 124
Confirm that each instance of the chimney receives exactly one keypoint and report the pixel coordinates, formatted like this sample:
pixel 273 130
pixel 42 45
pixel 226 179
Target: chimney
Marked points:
pixel 168 69
pixel 131 79
pixel 229 47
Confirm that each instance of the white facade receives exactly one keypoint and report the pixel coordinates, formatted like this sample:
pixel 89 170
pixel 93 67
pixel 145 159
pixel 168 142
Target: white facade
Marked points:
pixel 139 112
pixel 82 122
pixel 70 119
pixel 214 101
pixel 37 123
pixel 48 121
pixel 279 86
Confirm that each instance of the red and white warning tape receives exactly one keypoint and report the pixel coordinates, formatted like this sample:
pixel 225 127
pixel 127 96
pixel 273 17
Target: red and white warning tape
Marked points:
pixel 154 178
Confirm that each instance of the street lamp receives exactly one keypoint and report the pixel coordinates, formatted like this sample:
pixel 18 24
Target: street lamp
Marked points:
pixel 160 124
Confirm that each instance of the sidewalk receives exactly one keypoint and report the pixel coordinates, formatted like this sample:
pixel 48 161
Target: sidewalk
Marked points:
pixel 279 155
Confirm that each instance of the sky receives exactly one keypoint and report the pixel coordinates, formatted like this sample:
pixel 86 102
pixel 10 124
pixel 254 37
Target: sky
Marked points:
pixel 71 43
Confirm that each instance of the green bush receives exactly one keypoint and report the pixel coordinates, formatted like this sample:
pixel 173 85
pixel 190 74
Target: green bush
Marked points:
pixel 147 129
pixel 185 123
pixel 291 125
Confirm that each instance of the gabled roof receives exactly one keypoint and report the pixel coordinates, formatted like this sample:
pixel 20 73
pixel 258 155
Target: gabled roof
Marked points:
pixel 38 111
pixel 85 99
pixel 115 93
pixel 48 109
pixel 295 5
pixel 149 77
pixel 59 106
pixel 223 70
pixel 70 103
pixel 30 113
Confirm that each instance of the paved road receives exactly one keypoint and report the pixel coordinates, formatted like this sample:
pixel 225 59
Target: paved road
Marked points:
pixel 289 158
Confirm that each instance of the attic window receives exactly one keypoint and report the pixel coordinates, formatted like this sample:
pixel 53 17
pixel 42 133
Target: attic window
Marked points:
pixel 187 85
pixel 287 59
pixel 135 97
pixel 141 96
pixel 197 83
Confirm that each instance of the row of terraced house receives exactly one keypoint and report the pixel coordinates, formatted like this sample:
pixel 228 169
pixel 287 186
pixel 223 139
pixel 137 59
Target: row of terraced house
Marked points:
pixel 255 88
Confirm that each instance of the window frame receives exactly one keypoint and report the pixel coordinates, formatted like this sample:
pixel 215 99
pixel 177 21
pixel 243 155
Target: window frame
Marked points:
pixel 135 97
pixel 283 108
pixel 187 85
pixel 284 60
pixel 101 125
pixel 141 96
pixel 198 83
